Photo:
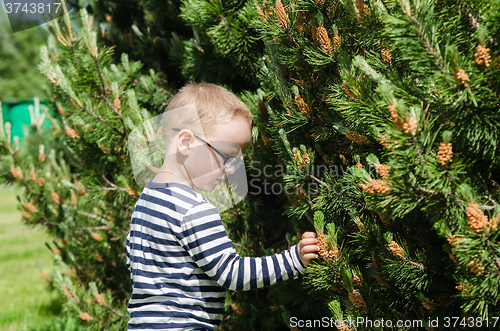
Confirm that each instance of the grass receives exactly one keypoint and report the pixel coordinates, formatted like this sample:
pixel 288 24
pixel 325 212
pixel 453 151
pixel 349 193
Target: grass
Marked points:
pixel 26 302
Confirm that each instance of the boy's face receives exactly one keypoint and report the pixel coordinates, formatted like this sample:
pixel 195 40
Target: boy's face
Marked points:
pixel 205 166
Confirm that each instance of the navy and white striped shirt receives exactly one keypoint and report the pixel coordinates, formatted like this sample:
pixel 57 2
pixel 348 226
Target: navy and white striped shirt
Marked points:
pixel 182 262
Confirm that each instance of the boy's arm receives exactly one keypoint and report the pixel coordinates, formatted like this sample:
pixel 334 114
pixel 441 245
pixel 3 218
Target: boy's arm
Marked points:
pixel 205 239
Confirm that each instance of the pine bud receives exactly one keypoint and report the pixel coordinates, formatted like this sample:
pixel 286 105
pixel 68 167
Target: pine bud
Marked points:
pixel 343 326
pixel 428 304
pixel 260 12
pixel 362 9
pixel 324 40
pixel 475 266
pixel 383 170
pixel 336 43
pixel 237 308
pixel 117 103
pixel 325 251
pixel 382 282
pixel 98 257
pixel 348 91
pixel 356 279
pixel 376 186
pixel 386 55
pixel 327 159
pixel 282 17
pixel 301 104
pixel 73 199
pixel 100 299
pixel 56 198
pixel 31 207
pixel 410 126
pixel 46 277
pixel 396 249
pixel 384 141
pixel 41 156
pixel 314 33
pixel 357 299
pixel 481 56
pixel 444 153
pixel 493 223
pixel 71 132
pixel 320 2
pixel 342 157
pixel 357 138
pixel 96 236
pixel 41 181
pixel 299 26
pixel 132 192
pixel 32 175
pixel 56 251
pixel 85 316
pixel 61 111
pixel 300 194
pixel 359 165
pixel 461 76
pixel 16 173
pixel 475 218
pixel 27 216
pixel 67 293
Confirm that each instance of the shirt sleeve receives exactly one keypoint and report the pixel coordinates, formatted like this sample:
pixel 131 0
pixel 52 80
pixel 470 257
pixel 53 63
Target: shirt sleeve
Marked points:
pixel 127 245
pixel 205 239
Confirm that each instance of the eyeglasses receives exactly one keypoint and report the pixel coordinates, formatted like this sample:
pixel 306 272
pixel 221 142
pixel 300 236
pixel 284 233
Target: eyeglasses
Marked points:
pixel 228 159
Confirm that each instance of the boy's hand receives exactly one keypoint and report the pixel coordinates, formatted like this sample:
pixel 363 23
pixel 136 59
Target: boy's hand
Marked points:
pixel 307 247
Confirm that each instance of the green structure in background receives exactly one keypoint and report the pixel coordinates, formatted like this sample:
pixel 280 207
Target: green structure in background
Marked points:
pixel 23 113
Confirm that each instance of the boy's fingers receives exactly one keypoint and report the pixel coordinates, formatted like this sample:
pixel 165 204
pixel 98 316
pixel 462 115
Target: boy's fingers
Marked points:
pixel 310 256
pixel 308 234
pixel 309 241
pixel 310 249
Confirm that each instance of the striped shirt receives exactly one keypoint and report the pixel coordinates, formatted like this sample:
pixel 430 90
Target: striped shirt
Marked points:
pixel 182 262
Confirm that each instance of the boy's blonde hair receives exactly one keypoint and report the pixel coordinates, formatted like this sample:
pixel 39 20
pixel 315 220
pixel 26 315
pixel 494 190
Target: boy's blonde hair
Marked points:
pixel 215 107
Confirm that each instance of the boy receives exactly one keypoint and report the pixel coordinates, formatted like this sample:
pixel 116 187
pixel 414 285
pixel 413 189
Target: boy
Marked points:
pixel 180 257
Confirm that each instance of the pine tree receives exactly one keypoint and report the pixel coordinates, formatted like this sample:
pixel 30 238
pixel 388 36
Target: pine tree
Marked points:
pixel 386 114
pixel 78 178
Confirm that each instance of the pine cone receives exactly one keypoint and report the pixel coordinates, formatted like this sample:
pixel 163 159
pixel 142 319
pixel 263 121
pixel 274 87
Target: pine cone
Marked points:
pixel 481 56
pixel 320 2
pixel 324 40
pixel 383 170
pixel 359 165
pixel 357 299
pixel 314 33
pixel 342 157
pixel 356 279
pixel 61 111
pixel 41 157
pixel 410 126
pixel 32 175
pixel 357 138
pixel 461 76
pixel 384 141
pixel 282 17
pixel 444 153
pixel 398 123
pixel 41 181
pixel 386 55
pixel 73 199
pixel 475 218
pixel 342 326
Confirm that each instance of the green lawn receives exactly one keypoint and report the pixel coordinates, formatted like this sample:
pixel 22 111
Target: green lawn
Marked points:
pixel 26 303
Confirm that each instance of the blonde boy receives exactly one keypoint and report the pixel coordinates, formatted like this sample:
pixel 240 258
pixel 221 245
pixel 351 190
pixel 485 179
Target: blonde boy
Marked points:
pixel 178 252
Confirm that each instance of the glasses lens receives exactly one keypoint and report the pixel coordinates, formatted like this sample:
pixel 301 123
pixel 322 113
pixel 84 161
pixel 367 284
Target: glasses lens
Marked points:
pixel 229 162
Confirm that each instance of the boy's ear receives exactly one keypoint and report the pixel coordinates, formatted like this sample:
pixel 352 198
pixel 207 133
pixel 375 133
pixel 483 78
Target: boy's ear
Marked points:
pixel 184 140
